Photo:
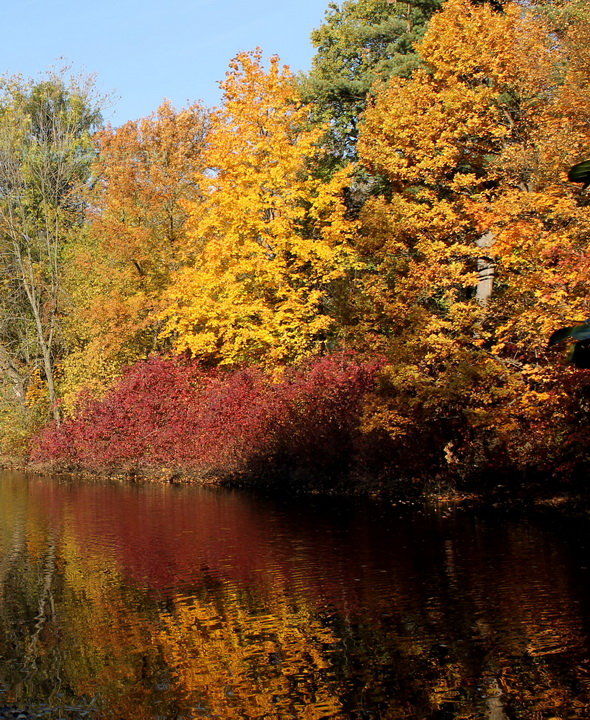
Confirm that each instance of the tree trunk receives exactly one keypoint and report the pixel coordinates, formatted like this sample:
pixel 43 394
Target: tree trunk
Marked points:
pixel 485 269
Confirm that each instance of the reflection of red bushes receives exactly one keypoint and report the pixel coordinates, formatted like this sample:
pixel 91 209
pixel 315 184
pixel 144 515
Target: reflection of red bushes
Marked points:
pixel 164 412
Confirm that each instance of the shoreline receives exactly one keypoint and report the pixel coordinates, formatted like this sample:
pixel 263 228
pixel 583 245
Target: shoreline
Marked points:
pixel 437 491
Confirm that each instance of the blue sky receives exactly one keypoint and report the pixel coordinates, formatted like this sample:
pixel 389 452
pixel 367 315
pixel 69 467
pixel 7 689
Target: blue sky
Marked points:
pixel 143 51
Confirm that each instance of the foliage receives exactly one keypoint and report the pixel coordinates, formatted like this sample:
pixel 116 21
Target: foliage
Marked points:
pixel 45 156
pixel 268 245
pixel 475 147
pixel 229 240
pixel 121 265
pixel 360 43
pixel 168 413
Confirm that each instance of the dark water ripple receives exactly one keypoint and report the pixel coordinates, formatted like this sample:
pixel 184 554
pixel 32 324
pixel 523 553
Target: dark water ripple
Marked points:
pixel 131 603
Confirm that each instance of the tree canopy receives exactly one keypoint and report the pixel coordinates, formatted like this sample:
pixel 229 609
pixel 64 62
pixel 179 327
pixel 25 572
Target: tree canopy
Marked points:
pixel 269 239
pixel 361 43
pixel 46 151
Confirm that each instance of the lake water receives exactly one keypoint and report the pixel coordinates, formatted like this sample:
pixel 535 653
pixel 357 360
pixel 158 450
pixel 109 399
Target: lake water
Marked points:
pixel 141 602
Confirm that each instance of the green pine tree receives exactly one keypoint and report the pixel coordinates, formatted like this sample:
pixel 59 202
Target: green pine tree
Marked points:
pixel 360 42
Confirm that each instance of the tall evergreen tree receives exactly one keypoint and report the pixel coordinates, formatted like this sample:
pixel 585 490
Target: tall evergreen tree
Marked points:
pixel 360 43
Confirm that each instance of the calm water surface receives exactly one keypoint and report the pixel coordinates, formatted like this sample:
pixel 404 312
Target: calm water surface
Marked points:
pixel 131 602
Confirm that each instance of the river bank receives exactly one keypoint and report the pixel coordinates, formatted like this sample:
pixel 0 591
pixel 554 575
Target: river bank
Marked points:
pixel 503 490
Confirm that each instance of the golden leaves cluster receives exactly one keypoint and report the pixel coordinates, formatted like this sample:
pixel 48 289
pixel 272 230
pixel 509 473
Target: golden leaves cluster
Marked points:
pixel 475 148
pixel 269 237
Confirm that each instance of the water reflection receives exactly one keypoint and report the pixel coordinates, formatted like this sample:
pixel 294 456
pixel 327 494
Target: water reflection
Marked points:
pixel 163 602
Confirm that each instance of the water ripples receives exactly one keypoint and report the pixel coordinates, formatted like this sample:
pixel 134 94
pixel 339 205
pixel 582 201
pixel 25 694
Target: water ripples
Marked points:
pixel 161 602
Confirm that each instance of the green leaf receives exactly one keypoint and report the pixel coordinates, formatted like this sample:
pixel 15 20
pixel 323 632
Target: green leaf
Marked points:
pixel 576 332
pixel 580 356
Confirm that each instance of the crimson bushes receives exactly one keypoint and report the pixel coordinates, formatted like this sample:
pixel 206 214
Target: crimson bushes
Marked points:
pixel 168 413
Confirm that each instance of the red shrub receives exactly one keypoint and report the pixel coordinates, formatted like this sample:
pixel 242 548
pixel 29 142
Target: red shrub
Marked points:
pixel 165 412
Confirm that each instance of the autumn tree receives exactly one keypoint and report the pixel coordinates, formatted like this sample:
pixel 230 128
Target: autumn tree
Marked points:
pixel 481 250
pixel 45 156
pixel 268 245
pixel 359 43
pixel 119 269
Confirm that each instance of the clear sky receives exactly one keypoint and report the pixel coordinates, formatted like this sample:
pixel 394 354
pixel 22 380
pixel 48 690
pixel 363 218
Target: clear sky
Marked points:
pixel 143 51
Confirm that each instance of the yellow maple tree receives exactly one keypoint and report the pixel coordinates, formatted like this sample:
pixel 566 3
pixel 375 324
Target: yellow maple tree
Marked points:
pixel 268 244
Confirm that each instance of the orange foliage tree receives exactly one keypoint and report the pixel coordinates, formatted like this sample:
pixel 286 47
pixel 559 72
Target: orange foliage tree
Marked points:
pixel 268 245
pixel 480 251
pixel 120 268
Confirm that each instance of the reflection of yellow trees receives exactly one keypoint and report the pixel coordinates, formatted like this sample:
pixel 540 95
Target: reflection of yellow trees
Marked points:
pixel 486 630
pixel 12 535
pixel 223 652
pixel 108 633
pixel 237 661
pixel 536 673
